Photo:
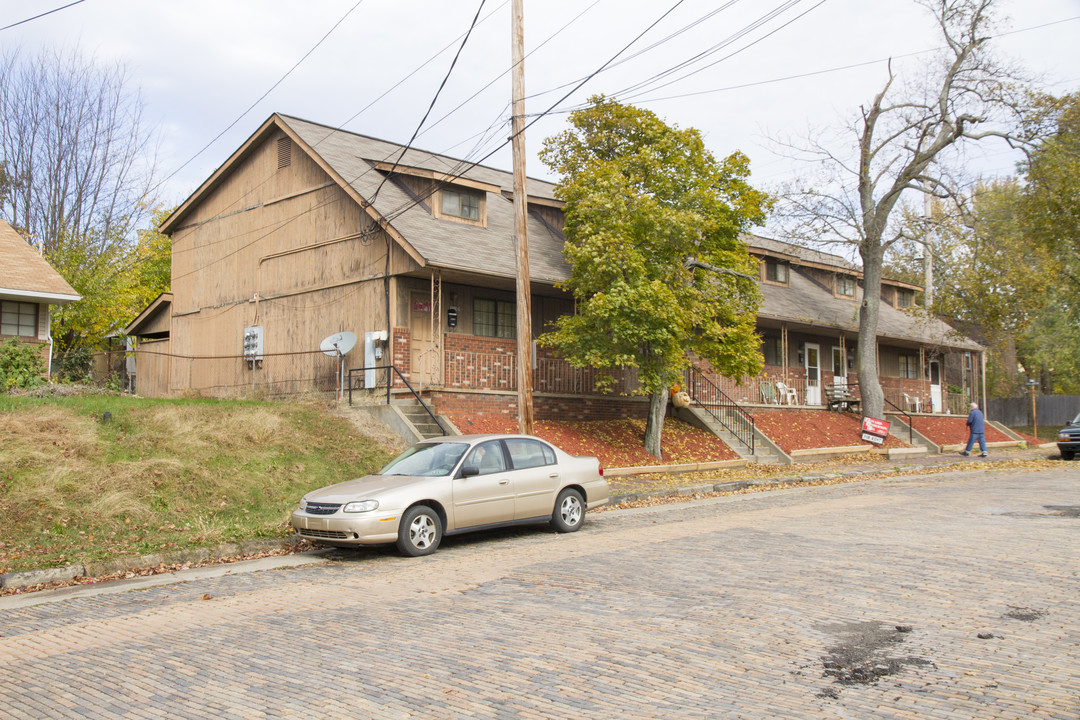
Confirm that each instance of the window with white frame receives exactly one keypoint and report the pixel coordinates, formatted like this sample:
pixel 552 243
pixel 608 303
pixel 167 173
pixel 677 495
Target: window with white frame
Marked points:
pixel 18 319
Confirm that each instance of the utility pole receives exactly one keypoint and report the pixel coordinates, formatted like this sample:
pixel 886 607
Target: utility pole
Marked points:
pixel 521 233
pixel 928 259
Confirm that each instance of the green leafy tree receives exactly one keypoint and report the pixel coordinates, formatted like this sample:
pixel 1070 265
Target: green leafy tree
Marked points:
pixel 652 239
pixel 115 280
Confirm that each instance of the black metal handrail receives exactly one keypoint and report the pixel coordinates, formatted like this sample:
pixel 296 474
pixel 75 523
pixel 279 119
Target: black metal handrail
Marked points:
pixel 393 368
pixel 720 407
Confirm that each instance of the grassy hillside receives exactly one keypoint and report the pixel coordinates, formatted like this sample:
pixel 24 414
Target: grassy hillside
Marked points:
pixel 160 474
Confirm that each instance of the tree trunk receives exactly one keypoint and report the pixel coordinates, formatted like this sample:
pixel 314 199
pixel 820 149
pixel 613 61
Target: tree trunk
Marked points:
pixel 873 399
pixel 655 425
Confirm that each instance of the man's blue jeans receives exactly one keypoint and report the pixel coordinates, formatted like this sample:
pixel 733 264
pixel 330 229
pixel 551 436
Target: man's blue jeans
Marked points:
pixel 981 437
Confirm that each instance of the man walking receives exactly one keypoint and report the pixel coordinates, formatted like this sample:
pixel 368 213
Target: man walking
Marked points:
pixel 976 431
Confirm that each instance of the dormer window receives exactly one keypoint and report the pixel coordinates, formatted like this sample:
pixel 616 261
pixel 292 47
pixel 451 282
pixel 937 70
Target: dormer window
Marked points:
pixel 776 271
pixel 845 286
pixel 905 297
pixel 459 203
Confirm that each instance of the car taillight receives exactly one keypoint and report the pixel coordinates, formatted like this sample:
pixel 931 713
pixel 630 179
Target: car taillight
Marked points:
pixel 601 470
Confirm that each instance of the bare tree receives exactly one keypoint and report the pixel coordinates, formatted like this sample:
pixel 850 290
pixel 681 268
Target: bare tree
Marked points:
pixel 900 143
pixel 74 148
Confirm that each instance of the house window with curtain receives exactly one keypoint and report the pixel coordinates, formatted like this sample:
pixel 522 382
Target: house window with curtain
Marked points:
pixel 909 366
pixel 845 285
pixel 460 204
pixel 18 319
pixel 494 318
pixel 776 271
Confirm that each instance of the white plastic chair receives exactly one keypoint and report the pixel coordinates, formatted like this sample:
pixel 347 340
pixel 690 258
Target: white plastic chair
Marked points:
pixel 912 402
pixel 787 393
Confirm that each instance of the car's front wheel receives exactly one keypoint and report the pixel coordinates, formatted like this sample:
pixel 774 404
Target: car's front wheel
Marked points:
pixel 569 511
pixel 420 531
pixel 1068 454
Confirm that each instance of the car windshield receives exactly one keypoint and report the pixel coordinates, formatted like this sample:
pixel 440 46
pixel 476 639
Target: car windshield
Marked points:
pixel 427 459
pixel 1075 420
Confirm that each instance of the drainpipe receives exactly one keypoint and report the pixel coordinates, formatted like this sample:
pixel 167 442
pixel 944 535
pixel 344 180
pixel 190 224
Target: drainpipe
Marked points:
pixel 48 333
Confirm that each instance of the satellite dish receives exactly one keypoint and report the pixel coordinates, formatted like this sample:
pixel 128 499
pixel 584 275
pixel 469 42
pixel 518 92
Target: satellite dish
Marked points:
pixel 338 344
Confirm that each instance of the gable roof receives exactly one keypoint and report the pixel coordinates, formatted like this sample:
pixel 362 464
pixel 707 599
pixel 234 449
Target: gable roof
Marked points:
pixel 353 161
pixel 24 274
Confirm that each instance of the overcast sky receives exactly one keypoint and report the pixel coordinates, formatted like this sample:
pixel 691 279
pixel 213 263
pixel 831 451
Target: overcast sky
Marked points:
pixel 200 64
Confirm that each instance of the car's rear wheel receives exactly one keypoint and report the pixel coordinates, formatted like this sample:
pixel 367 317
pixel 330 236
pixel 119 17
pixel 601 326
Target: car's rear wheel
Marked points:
pixel 420 531
pixel 569 511
pixel 1068 454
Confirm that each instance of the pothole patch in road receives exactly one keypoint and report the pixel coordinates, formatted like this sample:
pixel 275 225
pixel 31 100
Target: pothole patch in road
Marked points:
pixel 1024 614
pixel 865 652
pixel 1071 511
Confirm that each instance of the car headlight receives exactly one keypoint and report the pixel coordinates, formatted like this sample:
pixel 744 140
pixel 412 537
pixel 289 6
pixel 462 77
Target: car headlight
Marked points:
pixel 361 506
pixel 303 504
pixel 1063 435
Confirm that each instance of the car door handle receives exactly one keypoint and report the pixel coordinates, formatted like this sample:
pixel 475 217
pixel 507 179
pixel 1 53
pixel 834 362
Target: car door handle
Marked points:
pixel 504 481
pixel 553 475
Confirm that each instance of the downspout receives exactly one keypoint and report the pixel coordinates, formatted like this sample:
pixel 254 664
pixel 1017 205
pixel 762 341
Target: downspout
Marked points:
pixel 49 334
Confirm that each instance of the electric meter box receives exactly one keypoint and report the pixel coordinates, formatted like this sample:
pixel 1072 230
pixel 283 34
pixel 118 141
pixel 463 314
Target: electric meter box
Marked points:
pixel 253 343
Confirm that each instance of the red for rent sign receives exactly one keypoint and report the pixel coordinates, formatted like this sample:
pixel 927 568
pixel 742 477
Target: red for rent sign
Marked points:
pixel 874 430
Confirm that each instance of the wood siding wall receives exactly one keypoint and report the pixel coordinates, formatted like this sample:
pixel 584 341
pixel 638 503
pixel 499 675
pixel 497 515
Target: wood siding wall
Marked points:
pixel 291 252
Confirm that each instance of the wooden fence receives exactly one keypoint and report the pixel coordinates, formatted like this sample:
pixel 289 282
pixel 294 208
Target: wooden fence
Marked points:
pixel 1049 409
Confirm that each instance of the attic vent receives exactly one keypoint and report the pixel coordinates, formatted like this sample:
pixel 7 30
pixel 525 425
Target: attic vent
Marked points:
pixel 284 152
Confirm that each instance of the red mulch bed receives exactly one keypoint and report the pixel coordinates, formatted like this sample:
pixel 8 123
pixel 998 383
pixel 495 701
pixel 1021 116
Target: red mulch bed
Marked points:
pixel 953 430
pixel 617 443
pixel 811 429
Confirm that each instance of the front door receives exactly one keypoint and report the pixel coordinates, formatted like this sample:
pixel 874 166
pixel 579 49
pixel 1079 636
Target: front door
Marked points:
pixel 813 374
pixel 935 387
pixel 839 367
pixel 423 362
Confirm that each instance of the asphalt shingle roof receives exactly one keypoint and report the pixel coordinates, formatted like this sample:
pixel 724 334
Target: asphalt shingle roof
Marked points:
pixel 23 270
pixel 442 243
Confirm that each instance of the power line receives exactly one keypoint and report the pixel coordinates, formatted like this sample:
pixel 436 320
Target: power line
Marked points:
pixel 41 15
pixel 404 149
pixel 261 97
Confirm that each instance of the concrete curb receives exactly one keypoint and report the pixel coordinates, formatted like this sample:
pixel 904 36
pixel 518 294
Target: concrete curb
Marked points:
pixel 67 573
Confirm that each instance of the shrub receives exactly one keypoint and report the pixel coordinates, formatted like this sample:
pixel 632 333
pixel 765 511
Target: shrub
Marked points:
pixel 20 365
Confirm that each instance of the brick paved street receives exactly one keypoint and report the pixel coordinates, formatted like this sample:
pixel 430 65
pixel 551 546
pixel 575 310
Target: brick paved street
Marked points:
pixel 782 604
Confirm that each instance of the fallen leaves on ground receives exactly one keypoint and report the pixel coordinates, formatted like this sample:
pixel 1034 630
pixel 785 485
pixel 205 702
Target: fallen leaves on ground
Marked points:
pixel 813 429
pixel 953 430
pixel 617 443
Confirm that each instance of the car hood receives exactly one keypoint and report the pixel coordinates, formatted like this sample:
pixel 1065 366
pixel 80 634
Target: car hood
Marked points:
pixel 366 488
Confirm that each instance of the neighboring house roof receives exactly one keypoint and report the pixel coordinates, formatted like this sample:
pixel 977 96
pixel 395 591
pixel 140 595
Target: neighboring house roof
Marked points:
pixel 24 274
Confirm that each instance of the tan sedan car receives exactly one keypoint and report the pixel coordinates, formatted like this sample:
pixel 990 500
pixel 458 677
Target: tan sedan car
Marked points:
pixel 451 485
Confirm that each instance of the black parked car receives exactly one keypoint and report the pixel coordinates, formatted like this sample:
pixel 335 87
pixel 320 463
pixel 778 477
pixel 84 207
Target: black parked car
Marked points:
pixel 1069 439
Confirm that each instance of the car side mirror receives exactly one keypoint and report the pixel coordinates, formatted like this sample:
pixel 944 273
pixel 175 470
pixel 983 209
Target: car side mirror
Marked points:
pixel 469 471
